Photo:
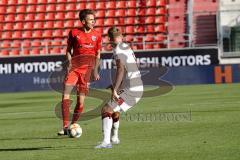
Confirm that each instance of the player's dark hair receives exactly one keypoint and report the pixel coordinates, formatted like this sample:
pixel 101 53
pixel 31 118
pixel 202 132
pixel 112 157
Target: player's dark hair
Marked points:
pixel 83 14
pixel 114 32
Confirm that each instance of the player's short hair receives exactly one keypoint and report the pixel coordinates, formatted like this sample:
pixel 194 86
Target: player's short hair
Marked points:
pixel 83 13
pixel 114 32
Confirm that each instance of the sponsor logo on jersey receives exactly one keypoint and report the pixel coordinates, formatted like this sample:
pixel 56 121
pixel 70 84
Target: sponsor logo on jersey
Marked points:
pixel 94 38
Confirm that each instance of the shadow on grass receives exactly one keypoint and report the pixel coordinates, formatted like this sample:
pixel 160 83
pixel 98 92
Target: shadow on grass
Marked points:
pixel 33 138
pixel 44 148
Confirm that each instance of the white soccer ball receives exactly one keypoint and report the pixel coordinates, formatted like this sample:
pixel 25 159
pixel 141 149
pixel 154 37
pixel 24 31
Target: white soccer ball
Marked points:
pixel 75 130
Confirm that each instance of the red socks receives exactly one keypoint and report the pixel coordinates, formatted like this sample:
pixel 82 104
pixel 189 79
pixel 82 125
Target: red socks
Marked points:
pixel 66 103
pixel 77 111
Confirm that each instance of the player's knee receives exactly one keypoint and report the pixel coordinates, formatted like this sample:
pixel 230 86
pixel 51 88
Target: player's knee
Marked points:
pixel 107 112
pixel 66 96
pixel 115 116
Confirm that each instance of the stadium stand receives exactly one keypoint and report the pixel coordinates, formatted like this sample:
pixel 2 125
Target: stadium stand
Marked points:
pixel 204 22
pixel 146 24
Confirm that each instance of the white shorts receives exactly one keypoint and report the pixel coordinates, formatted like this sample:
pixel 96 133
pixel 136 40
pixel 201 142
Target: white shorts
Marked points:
pixel 127 99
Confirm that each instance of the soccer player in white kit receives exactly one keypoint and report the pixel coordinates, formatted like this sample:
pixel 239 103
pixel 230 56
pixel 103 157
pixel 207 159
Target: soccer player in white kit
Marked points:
pixel 127 88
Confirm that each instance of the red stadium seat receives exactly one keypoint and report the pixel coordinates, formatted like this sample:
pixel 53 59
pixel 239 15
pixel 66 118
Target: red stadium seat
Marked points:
pixel 77 23
pixel 20 17
pixel 32 1
pixel 131 3
pixel 161 2
pixel 48 24
pixel 27 34
pixel 129 38
pixel 61 7
pixel 42 1
pixel 109 21
pixel 26 47
pixel 4 2
pixel 131 12
pixel 70 15
pixel 100 21
pixel 150 19
pixel 52 1
pixel 35 47
pixel 51 7
pixel 161 11
pixel 100 14
pixel 41 8
pixel 100 5
pixel 37 34
pixel 120 13
pixel 160 28
pixel 5 45
pixel 28 25
pixel 130 20
pixel 150 28
pixel 80 6
pixel 3 9
pixel 31 8
pixel 16 48
pixel 21 9
pixel 70 7
pixel 65 33
pixel 10 17
pixel 39 16
pixel 68 23
pixel 38 25
pixel 151 11
pixel 110 4
pixel 22 2
pixel 151 3
pixel 120 4
pixel 8 26
pixel 160 19
pixel 11 9
pixel 57 33
pixel 110 13
pixel 7 35
pixel 58 24
pixel 50 16
pixel 129 30
pixel 2 18
pixel 29 17
pixel 47 34
pixel 60 15
pixel 17 35
pixel 91 5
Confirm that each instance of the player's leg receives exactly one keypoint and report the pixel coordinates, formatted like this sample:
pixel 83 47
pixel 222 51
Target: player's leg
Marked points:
pixel 79 107
pixel 82 83
pixel 107 123
pixel 115 127
pixel 69 83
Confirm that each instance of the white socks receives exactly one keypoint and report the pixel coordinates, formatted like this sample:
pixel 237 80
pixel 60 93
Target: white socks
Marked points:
pixel 107 126
pixel 115 129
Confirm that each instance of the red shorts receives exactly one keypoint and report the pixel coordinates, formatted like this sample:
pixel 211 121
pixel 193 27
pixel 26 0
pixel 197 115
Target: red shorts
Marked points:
pixel 79 79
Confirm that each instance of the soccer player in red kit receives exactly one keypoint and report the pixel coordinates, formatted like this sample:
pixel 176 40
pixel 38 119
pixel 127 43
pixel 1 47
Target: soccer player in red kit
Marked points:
pixel 83 56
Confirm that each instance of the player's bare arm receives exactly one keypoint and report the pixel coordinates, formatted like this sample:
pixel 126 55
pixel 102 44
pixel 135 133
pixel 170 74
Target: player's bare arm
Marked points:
pixel 69 56
pixel 118 78
pixel 97 63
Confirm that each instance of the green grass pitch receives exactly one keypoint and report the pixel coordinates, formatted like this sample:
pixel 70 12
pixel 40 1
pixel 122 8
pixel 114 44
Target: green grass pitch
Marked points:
pixel 209 128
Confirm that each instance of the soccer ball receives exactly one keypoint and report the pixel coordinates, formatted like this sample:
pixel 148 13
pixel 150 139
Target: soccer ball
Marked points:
pixel 75 131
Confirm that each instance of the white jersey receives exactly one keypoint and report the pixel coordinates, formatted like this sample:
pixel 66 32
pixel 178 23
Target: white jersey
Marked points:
pixel 132 80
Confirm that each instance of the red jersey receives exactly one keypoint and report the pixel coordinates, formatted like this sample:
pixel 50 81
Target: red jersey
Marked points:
pixel 85 47
pixel 84 43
